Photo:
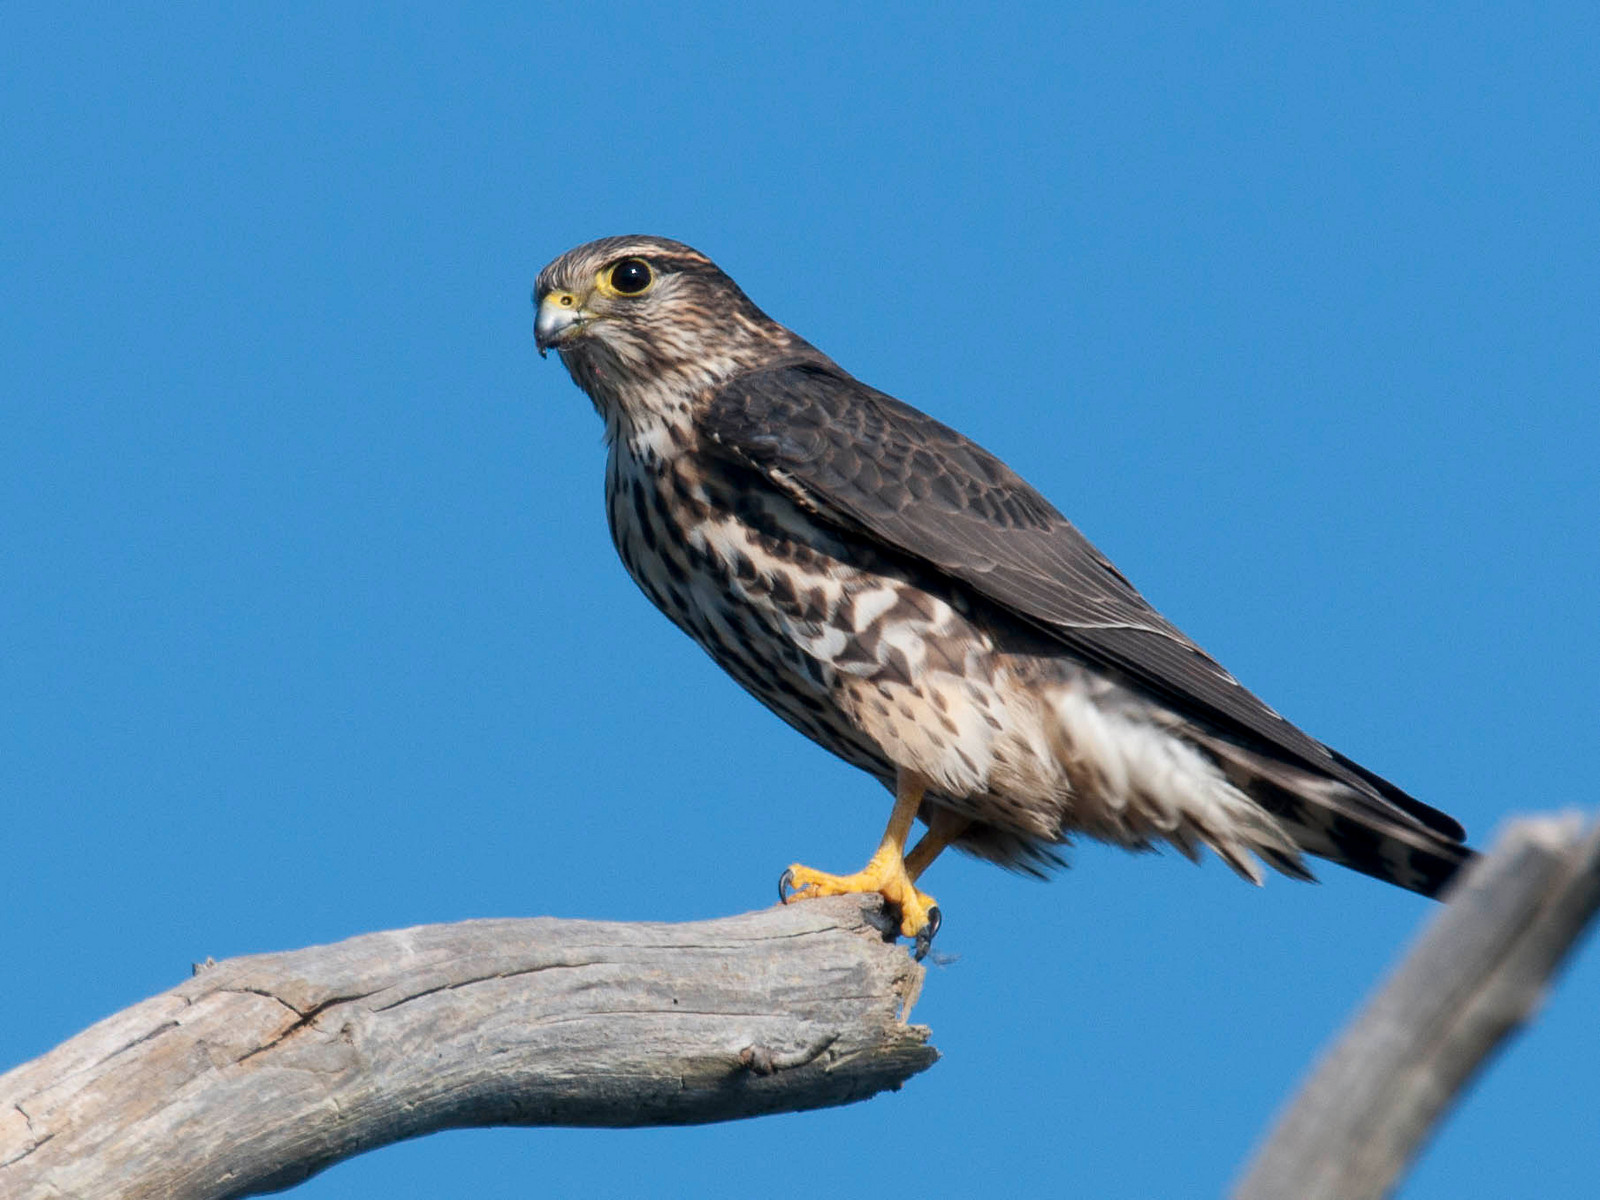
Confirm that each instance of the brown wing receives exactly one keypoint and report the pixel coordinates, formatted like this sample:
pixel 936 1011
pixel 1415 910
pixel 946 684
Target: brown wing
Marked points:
pixel 884 469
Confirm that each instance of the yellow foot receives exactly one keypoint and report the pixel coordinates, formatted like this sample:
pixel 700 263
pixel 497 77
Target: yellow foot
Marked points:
pixel 886 875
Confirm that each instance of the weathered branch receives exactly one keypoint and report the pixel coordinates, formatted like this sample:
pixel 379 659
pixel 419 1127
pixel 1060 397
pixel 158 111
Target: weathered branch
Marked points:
pixel 260 1071
pixel 1476 974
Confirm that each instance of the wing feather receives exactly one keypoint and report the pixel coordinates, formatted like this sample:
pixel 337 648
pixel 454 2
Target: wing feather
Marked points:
pixel 875 465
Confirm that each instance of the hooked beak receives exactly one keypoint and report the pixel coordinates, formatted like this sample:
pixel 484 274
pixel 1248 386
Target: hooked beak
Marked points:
pixel 560 317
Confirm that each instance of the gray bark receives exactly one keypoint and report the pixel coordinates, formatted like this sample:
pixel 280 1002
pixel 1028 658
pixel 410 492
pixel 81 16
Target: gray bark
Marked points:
pixel 1478 972
pixel 260 1071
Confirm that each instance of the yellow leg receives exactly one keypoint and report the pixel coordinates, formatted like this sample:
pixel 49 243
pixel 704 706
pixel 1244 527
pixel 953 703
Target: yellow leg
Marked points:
pixel 944 828
pixel 886 871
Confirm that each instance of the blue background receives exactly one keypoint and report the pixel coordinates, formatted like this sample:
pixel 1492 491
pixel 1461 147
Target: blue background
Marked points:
pixel 311 625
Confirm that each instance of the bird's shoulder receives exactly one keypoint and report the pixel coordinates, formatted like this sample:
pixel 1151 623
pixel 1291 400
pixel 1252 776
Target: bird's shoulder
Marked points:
pixel 905 477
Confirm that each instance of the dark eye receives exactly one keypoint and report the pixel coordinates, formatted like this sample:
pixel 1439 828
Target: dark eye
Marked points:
pixel 631 276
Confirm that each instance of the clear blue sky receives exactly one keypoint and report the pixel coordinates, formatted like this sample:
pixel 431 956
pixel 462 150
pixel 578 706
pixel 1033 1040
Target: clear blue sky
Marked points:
pixel 311 624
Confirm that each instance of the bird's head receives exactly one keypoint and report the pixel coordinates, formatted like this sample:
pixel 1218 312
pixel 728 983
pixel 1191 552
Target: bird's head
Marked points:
pixel 645 325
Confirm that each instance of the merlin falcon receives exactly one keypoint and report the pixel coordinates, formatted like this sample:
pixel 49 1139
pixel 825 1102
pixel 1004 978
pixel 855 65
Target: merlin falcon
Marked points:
pixel 901 597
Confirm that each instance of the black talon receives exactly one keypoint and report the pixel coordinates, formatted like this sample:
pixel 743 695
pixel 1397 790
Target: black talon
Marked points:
pixel 785 882
pixel 884 917
pixel 926 933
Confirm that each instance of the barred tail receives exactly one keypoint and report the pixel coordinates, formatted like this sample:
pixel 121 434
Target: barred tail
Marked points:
pixel 1379 831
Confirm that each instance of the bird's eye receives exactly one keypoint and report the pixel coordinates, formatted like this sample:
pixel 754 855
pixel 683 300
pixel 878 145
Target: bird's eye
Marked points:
pixel 631 276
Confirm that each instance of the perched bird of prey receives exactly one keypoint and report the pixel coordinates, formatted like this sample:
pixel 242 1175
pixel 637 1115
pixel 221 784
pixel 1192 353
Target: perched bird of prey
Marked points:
pixel 901 597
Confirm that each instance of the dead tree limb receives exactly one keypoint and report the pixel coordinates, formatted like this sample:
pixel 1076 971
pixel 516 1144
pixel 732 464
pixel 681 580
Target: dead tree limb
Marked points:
pixel 1476 974
pixel 260 1071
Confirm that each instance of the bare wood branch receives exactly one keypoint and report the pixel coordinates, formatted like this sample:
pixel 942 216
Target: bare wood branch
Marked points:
pixel 1479 970
pixel 260 1071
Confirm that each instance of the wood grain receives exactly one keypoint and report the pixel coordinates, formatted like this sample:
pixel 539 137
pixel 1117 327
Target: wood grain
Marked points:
pixel 260 1071
pixel 1477 973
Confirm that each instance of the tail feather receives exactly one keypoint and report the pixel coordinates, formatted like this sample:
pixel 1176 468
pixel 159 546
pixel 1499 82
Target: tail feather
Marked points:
pixel 1404 843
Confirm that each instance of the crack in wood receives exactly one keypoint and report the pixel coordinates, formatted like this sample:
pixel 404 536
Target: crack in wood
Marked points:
pixel 305 1021
pixel 592 1023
